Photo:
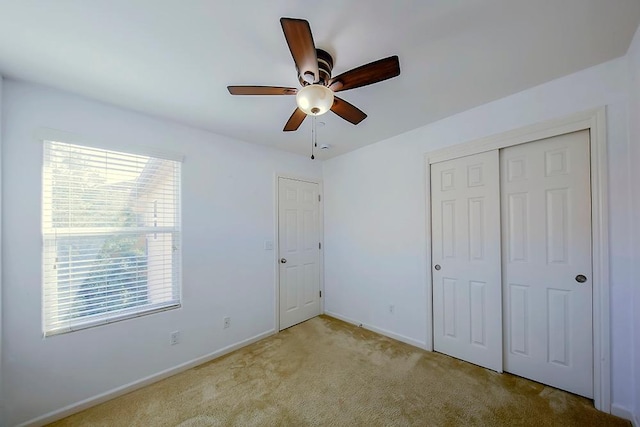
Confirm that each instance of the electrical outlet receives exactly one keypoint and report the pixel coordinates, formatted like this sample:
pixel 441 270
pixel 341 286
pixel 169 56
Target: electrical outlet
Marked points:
pixel 174 338
pixel 227 322
pixel 392 308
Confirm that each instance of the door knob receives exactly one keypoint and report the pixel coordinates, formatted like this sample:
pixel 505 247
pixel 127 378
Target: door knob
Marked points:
pixel 581 278
pixel 283 260
pixel 437 267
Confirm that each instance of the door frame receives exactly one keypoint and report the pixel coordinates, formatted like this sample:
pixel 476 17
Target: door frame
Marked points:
pixel 276 245
pixel 595 122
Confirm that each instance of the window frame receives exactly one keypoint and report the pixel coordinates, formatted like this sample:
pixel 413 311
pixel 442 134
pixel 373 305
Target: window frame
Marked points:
pixel 49 236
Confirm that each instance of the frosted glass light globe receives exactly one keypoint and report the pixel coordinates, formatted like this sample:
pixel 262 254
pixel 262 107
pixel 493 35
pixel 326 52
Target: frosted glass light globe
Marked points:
pixel 315 99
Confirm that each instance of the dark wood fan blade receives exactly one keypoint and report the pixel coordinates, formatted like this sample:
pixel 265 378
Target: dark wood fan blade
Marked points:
pixel 261 90
pixel 295 120
pixel 297 32
pixel 373 72
pixel 347 111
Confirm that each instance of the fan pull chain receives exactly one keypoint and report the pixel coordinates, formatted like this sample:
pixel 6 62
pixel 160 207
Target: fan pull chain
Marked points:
pixel 314 142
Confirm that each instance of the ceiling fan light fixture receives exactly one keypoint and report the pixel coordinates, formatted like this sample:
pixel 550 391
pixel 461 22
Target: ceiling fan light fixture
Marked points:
pixel 315 99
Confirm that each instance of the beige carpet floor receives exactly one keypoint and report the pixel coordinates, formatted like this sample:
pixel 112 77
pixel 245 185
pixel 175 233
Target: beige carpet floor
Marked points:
pixel 328 373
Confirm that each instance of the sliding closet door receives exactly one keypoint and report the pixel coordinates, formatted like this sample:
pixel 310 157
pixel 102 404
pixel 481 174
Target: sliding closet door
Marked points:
pixel 467 307
pixel 546 211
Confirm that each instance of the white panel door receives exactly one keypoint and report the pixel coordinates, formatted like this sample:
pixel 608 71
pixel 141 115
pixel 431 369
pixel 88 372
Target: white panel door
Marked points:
pixel 298 243
pixel 465 212
pixel 546 211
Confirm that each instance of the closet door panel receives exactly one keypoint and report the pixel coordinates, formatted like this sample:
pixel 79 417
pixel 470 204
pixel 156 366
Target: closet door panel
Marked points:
pixel 465 204
pixel 546 203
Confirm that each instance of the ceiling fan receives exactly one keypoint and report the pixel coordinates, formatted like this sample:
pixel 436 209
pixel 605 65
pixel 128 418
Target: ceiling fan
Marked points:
pixel 314 73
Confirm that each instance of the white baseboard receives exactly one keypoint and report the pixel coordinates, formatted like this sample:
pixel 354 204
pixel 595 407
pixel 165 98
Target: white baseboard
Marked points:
pixel 127 388
pixel 622 412
pixel 404 339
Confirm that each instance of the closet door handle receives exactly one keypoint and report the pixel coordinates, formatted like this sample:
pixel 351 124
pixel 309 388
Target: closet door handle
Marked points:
pixel 581 278
pixel 283 260
pixel 437 267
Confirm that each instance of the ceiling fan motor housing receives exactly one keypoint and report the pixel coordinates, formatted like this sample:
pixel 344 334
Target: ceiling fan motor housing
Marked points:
pixel 325 65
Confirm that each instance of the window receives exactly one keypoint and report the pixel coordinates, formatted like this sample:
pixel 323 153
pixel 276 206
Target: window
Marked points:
pixel 111 232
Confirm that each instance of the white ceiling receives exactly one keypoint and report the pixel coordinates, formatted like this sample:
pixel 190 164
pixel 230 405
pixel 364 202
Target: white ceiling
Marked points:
pixel 174 59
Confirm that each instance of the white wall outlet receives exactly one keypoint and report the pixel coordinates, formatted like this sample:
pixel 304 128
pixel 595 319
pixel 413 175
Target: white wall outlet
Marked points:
pixel 227 322
pixel 392 308
pixel 174 338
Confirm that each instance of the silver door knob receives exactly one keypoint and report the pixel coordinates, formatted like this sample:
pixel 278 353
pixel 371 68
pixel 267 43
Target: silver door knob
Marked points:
pixel 283 260
pixel 581 278
pixel 437 267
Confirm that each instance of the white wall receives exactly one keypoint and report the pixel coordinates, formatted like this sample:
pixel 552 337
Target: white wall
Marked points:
pixel 228 213
pixel 375 233
pixel 1 291
pixel 634 126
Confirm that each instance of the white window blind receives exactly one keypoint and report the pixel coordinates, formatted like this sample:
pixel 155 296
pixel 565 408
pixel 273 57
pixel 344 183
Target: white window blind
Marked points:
pixel 111 232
